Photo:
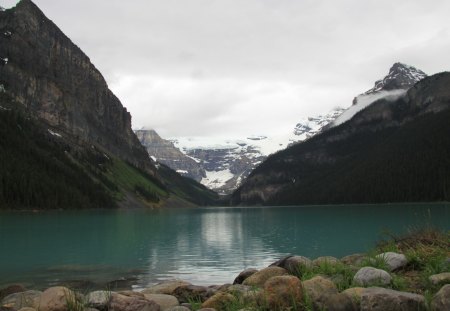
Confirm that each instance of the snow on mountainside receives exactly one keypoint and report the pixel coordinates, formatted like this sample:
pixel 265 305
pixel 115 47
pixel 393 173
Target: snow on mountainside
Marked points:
pixel 400 78
pixel 227 162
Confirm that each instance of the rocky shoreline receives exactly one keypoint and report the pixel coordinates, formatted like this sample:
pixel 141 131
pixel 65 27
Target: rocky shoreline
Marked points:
pixel 292 283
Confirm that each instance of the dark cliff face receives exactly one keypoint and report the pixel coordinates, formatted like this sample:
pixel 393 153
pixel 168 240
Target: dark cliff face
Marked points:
pixel 44 71
pixel 393 151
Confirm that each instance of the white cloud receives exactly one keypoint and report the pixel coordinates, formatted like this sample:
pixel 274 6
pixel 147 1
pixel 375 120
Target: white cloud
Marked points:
pixel 234 66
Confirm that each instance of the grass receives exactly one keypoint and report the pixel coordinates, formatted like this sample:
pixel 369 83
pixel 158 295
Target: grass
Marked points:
pixel 129 178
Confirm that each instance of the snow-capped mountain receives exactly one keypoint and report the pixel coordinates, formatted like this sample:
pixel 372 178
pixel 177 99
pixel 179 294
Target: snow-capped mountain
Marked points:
pixel 222 164
pixel 400 78
pixel 227 162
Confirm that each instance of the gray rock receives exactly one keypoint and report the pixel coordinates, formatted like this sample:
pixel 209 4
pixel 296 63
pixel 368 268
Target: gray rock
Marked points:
pixel 98 299
pixel 163 300
pixel 441 301
pixel 354 259
pixel 319 289
pixel 165 288
pixel 441 278
pixel 382 299
pixel 179 308
pixel 244 275
pixel 30 298
pixel 393 260
pixel 369 276
pixel 295 264
pixel 193 292
pixel 325 259
pixel 12 289
pixel 125 303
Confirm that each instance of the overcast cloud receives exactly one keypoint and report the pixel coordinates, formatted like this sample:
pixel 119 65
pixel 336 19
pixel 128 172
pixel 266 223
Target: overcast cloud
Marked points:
pixel 241 67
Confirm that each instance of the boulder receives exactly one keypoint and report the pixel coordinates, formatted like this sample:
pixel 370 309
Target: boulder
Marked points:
pixel 295 264
pixel 325 260
pixel 27 309
pixel 98 299
pixel 131 293
pixel 179 308
pixel 441 301
pixel 354 293
pixel 193 292
pixel 369 276
pixel 30 298
pixel 282 292
pixel 441 278
pixel 393 260
pixel 244 275
pixel 324 295
pixel 163 300
pixel 259 278
pixel 219 301
pixel 57 298
pixel 382 299
pixel 165 288
pixel 247 294
pixel 12 289
pixel 354 259
pixel 120 302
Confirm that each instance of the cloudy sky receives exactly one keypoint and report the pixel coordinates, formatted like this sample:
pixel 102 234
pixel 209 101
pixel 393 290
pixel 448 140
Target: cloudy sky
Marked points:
pixel 243 67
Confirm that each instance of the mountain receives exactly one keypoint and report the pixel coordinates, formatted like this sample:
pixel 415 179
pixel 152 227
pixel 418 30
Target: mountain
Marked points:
pixel 164 151
pixel 394 85
pixel 50 87
pixel 395 150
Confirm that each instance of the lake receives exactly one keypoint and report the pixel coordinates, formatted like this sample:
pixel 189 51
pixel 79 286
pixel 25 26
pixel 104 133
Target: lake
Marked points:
pixel 123 248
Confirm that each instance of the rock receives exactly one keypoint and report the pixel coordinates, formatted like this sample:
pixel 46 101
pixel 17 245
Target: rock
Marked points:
pixel 30 298
pixel 219 301
pixel 179 308
pixel 325 259
pixel 441 278
pixel 207 309
pixel 319 290
pixel 354 293
pixel 282 292
pixel 57 299
pixel 259 278
pixel 165 288
pixel 339 302
pixel 98 299
pixel 244 275
pixel 163 300
pixel 382 299
pixel 295 264
pixel 125 303
pixel 27 309
pixel 247 294
pixel 353 260
pixel 441 301
pixel 12 289
pixel 393 260
pixel 280 262
pixel 131 293
pixel 193 292
pixel 369 276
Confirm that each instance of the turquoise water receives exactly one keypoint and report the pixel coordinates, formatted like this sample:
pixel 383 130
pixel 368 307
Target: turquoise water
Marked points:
pixel 205 245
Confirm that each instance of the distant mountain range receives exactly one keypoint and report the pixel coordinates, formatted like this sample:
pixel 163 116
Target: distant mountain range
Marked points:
pixel 222 165
pixel 394 150
pixel 67 140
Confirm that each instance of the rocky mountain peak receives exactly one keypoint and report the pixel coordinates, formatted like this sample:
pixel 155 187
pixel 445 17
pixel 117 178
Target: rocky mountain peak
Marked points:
pixel 401 76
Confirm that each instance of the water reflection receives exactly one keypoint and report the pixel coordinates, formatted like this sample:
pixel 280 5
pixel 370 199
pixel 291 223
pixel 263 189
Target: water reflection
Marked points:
pixel 204 246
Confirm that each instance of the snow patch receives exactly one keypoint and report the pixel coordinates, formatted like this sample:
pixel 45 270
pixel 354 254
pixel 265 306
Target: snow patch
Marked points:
pixel 54 133
pixel 153 158
pixel 7 33
pixel 182 172
pixel 5 60
pixel 216 179
pixel 2 88
pixel 365 100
